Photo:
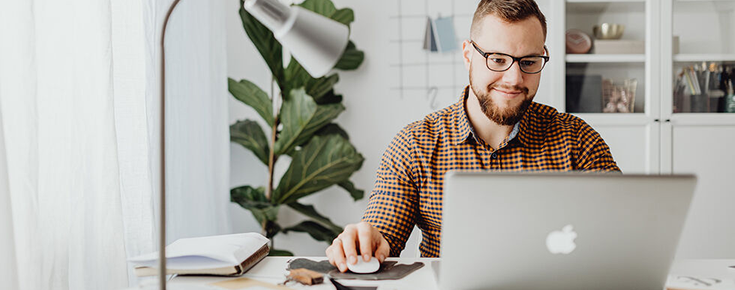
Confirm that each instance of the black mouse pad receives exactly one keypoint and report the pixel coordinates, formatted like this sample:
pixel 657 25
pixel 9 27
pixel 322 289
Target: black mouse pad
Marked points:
pixel 389 270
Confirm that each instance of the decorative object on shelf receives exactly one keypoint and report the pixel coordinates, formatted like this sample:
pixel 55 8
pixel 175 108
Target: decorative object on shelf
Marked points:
pixel 577 41
pixel 618 98
pixel 608 31
pixel 703 88
pixel 730 100
pixel 619 46
pixel 583 93
pixel 302 129
pixel 439 35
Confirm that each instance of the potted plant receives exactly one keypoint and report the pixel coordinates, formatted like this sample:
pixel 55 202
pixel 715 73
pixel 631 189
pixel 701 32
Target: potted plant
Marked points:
pixel 303 129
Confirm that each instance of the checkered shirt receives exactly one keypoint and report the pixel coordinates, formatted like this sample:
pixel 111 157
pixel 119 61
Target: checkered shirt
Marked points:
pixel 410 179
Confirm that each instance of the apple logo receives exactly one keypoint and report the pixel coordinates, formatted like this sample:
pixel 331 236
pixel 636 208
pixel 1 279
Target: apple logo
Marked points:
pixel 562 242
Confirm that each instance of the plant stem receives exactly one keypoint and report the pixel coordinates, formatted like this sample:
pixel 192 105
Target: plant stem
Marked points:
pixel 272 157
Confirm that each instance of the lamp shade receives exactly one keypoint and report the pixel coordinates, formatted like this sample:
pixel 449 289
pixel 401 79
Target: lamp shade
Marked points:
pixel 315 41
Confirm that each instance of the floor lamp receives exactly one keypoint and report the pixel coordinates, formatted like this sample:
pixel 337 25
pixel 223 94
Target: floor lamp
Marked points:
pixel 315 41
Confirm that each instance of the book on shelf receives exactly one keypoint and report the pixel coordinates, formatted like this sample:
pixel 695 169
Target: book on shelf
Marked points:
pixel 224 255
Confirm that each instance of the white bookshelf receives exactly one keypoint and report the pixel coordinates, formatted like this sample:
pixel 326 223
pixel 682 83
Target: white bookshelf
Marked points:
pixel 605 58
pixel 704 57
pixel 604 1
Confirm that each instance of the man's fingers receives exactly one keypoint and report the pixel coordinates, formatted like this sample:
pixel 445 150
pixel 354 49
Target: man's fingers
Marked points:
pixel 349 244
pixel 383 250
pixel 364 234
pixel 337 255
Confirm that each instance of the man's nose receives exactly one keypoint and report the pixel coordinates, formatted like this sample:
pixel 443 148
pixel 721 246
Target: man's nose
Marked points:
pixel 514 75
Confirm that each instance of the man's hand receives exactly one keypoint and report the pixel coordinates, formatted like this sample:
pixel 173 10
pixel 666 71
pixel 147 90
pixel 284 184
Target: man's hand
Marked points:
pixel 363 237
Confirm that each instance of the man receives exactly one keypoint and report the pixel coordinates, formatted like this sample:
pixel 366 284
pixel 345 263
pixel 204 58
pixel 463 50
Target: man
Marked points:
pixel 494 126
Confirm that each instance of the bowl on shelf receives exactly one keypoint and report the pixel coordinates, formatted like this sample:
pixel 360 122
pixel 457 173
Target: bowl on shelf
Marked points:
pixel 608 31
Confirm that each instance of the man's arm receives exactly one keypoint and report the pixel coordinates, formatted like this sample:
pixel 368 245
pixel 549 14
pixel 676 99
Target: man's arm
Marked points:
pixel 391 212
pixel 593 152
pixel 393 205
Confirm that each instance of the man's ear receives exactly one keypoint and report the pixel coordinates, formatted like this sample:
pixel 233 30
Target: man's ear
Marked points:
pixel 467 51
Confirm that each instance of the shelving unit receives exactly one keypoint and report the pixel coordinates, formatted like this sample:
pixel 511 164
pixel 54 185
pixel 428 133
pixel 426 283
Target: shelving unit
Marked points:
pixel 704 57
pixel 602 58
pixel 657 140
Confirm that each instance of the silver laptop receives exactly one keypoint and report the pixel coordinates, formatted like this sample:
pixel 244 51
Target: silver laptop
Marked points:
pixel 560 230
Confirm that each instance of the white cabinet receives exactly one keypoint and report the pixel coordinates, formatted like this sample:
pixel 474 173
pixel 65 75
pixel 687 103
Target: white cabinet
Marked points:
pixel 672 129
pixel 709 151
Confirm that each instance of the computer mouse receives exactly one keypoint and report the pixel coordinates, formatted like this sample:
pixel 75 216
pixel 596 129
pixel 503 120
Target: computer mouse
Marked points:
pixel 363 267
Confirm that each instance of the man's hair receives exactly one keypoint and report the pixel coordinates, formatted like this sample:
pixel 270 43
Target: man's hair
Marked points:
pixel 507 10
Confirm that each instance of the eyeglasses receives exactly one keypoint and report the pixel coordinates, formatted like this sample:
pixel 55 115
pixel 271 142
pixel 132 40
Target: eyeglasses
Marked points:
pixel 500 62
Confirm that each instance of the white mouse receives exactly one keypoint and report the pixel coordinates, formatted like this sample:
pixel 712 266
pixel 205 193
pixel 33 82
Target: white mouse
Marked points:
pixel 363 267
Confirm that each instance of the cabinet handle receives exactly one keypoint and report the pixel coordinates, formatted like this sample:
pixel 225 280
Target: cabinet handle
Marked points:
pixel 656 120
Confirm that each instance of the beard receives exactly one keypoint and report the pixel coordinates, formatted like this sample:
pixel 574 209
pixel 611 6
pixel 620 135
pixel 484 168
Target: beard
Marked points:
pixel 507 116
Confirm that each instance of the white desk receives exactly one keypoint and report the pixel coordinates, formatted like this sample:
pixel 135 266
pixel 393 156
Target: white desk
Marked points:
pixel 273 270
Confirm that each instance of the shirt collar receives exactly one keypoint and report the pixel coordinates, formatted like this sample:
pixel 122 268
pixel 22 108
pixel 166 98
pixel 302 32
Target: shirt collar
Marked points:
pixel 465 129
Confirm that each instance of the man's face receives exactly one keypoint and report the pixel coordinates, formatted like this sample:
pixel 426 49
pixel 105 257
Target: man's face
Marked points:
pixel 504 96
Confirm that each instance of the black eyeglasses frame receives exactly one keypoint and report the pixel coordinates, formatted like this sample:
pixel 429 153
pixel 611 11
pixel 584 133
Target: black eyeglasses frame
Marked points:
pixel 515 59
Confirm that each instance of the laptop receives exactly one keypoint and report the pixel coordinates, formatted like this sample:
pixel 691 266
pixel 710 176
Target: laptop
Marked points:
pixel 560 230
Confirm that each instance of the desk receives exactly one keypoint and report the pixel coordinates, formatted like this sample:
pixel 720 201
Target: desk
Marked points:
pixel 272 269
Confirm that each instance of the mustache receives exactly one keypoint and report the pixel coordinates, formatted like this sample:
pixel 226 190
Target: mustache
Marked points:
pixel 507 88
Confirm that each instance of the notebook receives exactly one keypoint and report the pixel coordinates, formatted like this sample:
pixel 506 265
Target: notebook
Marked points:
pixel 224 255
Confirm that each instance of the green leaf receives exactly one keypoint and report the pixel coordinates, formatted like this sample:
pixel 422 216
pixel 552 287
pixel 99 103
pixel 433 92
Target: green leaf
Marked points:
pixel 356 194
pixel 253 199
pixel 332 129
pixel 317 88
pixel 265 42
pixel 253 96
pixel 276 253
pixel 310 211
pixel 344 16
pixel 301 118
pixel 323 7
pixel 315 230
pixel 249 134
pixel 296 76
pixel 329 98
pixel 351 59
pixel 271 229
pixel 322 162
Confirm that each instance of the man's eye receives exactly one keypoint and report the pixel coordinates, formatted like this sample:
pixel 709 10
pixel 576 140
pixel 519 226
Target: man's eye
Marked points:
pixel 497 60
pixel 528 62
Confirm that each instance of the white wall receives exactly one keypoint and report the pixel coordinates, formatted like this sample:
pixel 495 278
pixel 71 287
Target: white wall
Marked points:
pixel 375 112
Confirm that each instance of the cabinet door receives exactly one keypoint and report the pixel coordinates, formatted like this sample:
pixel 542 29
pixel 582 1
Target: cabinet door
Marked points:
pixel 709 152
pixel 634 146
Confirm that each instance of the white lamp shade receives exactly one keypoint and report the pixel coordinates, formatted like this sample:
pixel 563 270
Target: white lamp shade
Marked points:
pixel 315 41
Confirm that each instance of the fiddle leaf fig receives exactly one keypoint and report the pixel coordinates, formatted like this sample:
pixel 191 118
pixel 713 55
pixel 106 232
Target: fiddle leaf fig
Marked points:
pixel 321 163
pixel 323 7
pixel 270 49
pixel 351 58
pixel 250 94
pixel 310 211
pixel 356 194
pixel 303 128
pixel 317 88
pixel 344 16
pixel 254 200
pixel 249 134
pixel 315 230
pixel 302 117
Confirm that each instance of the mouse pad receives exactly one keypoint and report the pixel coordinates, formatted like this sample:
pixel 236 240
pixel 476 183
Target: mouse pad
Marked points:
pixel 389 270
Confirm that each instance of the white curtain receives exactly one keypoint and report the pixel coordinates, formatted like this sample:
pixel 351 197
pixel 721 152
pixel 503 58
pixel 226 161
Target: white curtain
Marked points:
pixel 8 273
pixel 79 109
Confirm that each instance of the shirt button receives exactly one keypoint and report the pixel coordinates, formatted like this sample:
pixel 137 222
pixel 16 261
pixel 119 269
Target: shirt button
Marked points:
pixel 494 155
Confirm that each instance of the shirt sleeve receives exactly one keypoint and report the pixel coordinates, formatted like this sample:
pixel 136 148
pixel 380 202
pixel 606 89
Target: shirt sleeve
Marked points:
pixel 593 153
pixel 393 204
